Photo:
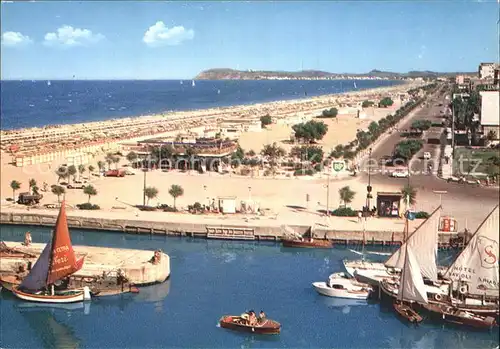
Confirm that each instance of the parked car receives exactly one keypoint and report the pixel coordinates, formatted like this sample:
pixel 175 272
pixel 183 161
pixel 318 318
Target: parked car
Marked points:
pixel 400 174
pixel 129 172
pixel 114 173
pixel 427 155
pixel 76 186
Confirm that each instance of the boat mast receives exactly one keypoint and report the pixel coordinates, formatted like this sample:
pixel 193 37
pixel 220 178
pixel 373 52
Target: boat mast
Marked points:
pixel 405 234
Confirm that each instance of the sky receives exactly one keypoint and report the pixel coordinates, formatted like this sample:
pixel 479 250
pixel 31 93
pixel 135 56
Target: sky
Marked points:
pixel 176 40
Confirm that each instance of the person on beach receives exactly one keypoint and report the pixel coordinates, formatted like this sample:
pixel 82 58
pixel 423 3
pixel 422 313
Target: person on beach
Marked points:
pixel 360 215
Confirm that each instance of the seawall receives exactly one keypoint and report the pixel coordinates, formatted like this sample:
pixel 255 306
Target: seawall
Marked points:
pixel 215 229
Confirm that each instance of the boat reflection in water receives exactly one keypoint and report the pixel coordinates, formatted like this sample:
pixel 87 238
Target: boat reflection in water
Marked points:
pixel 85 306
pixel 52 333
pixel 343 304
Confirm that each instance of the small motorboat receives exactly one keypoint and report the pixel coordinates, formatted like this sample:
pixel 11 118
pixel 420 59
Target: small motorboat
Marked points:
pixel 461 317
pixel 407 312
pixel 238 323
pixel 340 286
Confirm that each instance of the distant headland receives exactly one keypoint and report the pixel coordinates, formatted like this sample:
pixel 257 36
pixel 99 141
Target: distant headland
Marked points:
pixel 231 74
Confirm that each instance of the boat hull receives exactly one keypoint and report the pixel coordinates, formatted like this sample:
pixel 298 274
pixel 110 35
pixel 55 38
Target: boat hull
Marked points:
pixel 407 312
pixel 9 281
pixel 307 244
pixel 233 323
pixel 323 289
pixel 73 297
pixel 460 317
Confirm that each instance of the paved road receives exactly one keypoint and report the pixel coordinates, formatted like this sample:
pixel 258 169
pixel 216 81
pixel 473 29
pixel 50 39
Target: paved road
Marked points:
pixel 429 112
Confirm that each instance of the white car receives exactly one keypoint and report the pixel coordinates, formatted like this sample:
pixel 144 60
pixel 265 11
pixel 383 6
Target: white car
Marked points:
pixel 399 174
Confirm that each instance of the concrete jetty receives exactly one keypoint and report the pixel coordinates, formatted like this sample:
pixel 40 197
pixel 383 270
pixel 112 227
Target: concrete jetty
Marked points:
pixel 136 265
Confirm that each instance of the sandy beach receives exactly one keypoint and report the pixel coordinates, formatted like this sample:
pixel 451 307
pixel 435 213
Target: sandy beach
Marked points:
pixel 273 194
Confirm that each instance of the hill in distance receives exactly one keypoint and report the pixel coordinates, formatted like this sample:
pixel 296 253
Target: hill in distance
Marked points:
pixel 231 74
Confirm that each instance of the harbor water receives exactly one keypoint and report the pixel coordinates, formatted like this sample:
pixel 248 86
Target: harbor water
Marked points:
pixel 209 279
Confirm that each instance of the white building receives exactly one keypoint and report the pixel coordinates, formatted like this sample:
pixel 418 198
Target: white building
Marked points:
pixel 487 70
pixel 490 112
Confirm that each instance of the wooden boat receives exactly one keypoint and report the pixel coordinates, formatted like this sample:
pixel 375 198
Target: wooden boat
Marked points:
pixel 411 288
pixel 237 323
pixel 8 281
pixel 8 252
pixel 461 317
pixel 56 263
pixel 307 243
pixel 407 312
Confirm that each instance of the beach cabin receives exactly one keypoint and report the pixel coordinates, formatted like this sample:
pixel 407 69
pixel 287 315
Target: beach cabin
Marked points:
pixel 227 204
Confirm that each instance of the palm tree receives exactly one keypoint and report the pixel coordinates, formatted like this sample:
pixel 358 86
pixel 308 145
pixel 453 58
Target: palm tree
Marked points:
pixel 90 191
pixel 346 195
pixel 409 193
pixel 151 193
pixel 116 159
pixel 81 170
pixel 109 159
pixel 58 190
pixel 100 165
pixel 176 191
pixel 15 185
pixel 32 184
pixel 72 172
pixel 91 169
pixel 273 152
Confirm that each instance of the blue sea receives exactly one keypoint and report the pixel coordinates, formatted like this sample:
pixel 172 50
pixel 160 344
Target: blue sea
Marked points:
pixel 38 103
pixel 212 278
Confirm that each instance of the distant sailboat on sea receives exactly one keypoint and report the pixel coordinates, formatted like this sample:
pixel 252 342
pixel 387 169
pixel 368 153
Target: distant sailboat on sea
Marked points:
pixel 182 82
pixel 193 83
pixel 355 85
pixel 218 92
pixel 49 83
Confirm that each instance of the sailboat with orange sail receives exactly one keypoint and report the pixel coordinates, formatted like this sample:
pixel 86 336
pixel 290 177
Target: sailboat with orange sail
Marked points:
pixel 45 281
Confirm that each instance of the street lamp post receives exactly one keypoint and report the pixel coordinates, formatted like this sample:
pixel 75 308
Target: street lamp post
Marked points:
pixel 144 187
pixel 328 195
pixel 369 187
pixel 249 193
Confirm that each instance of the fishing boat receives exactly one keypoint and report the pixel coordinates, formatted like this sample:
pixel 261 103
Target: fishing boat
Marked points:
pixel 424 240
pixel 293 239
pixel 460 317
pixel 339 285
pixel 411 289
pixel 239 323
pixel 46 281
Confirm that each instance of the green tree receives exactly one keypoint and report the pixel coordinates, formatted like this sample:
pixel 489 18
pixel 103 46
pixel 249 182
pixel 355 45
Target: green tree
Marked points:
pixel 100 165
pixel 176 191
pixel 385 102
pixel 62 173
pixel 58 191
pixel 310 131
pixel 250 153
pixel 116 160
pixel 132 156
pixel 329 113
pixel 72 172
pixel 409 193
pixel 346 195
pixel 273 152
pixel 151 193
pixel 239 154
pixel 374 128
pixel 81 170
pixel 90 190
pixel 109 159
pixel 32 184
pixel 421 124
pixel 308 153
pixel 15 185
pixel 366 104
pixel 91 168
pixel 266 120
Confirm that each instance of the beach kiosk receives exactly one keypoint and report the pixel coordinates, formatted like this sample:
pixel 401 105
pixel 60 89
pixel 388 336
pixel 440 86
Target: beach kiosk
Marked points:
pixel 227 204
pixel 389 204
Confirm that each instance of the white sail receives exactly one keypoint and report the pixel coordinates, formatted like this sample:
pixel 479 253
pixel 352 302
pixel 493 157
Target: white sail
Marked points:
pixel 425 241
pixel 412 287
pixel 477 264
